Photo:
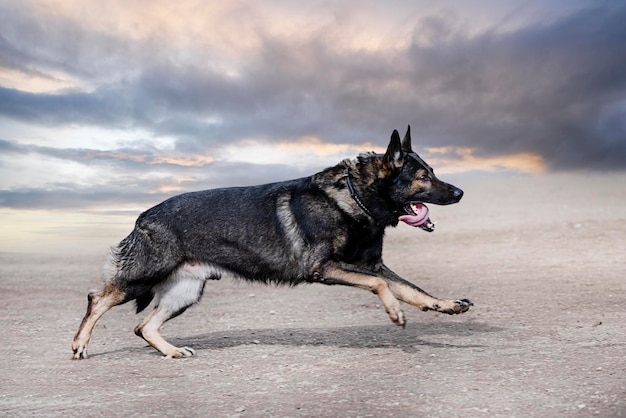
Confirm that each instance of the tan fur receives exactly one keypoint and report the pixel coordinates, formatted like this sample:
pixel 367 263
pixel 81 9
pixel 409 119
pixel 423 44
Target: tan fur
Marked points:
pixel 98 304
pixel 374 284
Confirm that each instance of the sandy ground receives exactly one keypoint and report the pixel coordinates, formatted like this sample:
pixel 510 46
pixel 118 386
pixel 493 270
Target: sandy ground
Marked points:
pixel 541 257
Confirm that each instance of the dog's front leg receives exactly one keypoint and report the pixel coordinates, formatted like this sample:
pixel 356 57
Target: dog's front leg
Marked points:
pixel 345 274
pixel 412 294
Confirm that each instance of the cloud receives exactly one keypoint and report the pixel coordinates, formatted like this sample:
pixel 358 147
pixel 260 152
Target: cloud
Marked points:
pixel 132 179
pixel 78 179
pixel 518 91
pixel 139 193
pixel 557 89
pixel 554 88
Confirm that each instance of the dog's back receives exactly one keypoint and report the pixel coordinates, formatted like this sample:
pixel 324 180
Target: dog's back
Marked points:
pixel 257 233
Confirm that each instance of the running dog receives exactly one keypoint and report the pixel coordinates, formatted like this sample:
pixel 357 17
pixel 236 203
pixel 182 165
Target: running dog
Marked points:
pixel 327 228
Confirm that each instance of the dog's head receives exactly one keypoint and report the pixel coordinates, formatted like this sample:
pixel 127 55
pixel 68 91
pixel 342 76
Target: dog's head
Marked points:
pixel 413 183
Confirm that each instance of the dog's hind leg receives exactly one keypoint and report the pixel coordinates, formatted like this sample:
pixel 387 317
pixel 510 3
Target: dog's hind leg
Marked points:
pixel 409 293
pixel 98 304
pixel 181 289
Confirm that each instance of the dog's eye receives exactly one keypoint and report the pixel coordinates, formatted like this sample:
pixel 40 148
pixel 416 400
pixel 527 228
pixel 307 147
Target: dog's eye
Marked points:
pixel 424 178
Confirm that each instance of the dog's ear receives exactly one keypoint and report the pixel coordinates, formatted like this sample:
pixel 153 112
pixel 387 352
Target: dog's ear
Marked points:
pixel 406 142
pixel 394 157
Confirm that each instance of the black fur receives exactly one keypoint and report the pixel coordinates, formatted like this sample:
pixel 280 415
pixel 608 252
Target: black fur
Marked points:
pixel 326 228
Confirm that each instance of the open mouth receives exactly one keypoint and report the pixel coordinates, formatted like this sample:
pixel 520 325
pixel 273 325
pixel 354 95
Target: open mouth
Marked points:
pixel 417 216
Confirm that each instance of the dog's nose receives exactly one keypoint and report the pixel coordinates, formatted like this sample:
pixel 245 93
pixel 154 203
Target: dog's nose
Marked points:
pixel 458 193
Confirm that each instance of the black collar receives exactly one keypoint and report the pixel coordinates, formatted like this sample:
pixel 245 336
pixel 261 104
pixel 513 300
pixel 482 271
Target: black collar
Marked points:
pixel 346 175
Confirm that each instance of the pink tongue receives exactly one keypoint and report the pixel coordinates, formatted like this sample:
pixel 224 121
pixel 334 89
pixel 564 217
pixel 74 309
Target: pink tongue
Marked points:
pixel 416 220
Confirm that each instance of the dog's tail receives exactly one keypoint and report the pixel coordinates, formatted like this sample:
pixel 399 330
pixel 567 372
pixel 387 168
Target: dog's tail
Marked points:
pixel 136 265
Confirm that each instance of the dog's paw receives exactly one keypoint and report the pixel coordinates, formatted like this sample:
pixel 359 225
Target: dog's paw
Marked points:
pixel 398 318
pixel 462 305
pixel 80 355
pixel 181 352
pixel 452 307
pixel 80 352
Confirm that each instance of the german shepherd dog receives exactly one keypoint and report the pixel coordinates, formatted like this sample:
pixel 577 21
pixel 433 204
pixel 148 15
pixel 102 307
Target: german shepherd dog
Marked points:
pixel 327 228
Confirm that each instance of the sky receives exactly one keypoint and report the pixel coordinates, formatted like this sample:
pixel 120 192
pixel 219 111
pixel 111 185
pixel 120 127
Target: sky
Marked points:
pixel 109 107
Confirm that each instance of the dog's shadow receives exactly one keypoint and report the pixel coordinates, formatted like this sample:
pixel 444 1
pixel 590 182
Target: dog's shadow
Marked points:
pixel 409 339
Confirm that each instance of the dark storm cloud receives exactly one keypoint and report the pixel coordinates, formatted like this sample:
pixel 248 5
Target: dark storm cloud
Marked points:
pixel 555 88
pixel 140 156
pixel 558 90
pixel 101 108
pixel 39 44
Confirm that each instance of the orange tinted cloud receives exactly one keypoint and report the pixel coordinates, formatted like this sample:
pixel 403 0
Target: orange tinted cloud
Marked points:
pixel 164 157
pixel 460 159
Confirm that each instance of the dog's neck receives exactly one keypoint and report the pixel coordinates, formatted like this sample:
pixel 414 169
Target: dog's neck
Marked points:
pixel 353 193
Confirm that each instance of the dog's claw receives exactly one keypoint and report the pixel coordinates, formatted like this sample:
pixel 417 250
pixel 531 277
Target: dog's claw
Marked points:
pixel 462 305
pixel 182 352
pixel 80 352
pixel 79 355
